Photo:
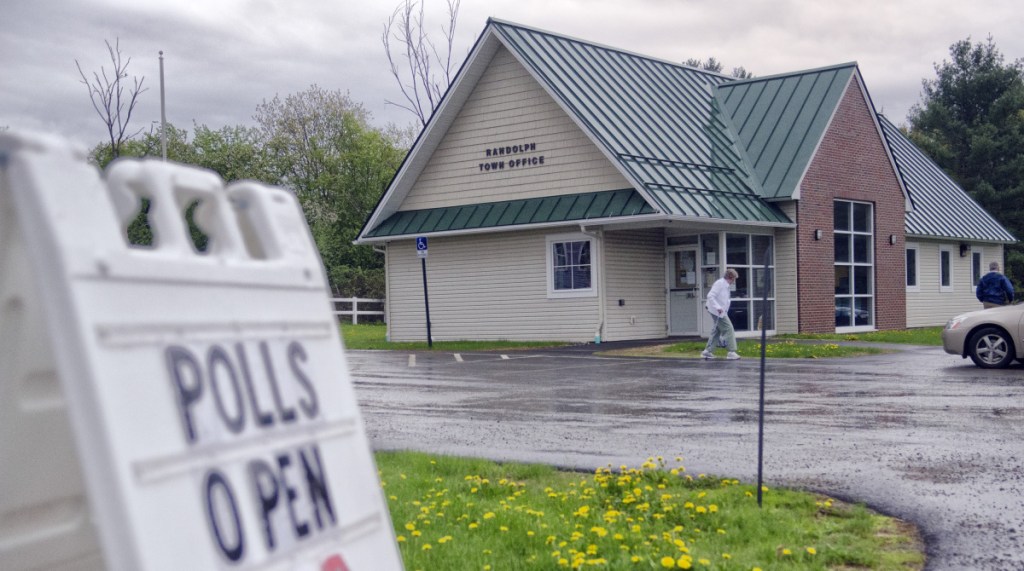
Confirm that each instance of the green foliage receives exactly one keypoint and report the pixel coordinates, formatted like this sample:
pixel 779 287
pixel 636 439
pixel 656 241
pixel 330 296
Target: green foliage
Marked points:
pixel 317 143
pixel 461 513
pixel 971 122
pixel 354 281
pixel 777 349
pixel 915 336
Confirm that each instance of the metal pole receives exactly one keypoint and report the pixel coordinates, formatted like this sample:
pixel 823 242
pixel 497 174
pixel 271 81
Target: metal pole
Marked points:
pixel 760 414
pixel 163 114
pixel 426 303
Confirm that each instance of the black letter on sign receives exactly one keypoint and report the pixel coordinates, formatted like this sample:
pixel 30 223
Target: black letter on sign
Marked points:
pixel 213 357
pixel 317 485
pixel 287 414
pixel 262 418
pixel 301 528
pixel 265 484
pixel 296 352
pixel 215 482
pixel 178 360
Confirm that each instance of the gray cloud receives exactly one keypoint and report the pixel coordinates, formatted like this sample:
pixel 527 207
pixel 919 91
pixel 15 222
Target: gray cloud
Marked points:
pixel 224 57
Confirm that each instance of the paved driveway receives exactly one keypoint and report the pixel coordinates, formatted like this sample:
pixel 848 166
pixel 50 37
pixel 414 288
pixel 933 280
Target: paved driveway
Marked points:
pixel 918 434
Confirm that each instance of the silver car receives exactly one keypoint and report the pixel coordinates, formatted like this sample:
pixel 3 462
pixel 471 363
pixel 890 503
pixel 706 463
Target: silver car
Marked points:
pixel 992 338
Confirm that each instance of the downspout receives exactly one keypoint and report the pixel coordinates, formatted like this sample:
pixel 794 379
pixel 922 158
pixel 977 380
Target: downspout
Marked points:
pixel 598 236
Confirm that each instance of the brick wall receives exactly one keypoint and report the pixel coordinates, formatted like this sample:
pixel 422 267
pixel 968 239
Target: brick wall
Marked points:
pixel 850 164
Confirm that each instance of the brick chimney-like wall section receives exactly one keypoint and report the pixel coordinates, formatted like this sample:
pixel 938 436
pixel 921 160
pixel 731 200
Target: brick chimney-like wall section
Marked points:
pixel 850 164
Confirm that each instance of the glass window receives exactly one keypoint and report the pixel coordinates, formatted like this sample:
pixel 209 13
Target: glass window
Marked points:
pixel 861 217
pixel 842 279
pixel 945 268
pixel 763 281
pixel 570 265
pixel 975 268
pixel 854 263
pixel 742 282
pixel 911 266
pixel 861 249
pixel 739 314
pixel 709 250
pixel 747 254
pixel 862 279
pixel 842 247
pixel 841 216
pixel 843 312
pixel 760 247
pixel 737 249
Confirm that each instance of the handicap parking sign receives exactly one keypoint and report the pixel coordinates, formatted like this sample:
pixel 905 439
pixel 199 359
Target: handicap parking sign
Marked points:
pixel 421 246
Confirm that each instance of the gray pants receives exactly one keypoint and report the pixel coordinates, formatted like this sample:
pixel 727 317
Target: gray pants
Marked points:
pixel 722 332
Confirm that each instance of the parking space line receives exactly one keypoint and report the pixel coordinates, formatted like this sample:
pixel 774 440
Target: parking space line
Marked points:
pixel 458 358
pixel 412 360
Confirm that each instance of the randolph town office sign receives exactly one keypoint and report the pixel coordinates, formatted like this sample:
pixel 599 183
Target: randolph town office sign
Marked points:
pixel 510 157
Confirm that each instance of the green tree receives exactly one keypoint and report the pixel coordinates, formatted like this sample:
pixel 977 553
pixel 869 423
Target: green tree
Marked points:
pixel 235 153
pixel 712 64
pixel 971 122
pixel 324 149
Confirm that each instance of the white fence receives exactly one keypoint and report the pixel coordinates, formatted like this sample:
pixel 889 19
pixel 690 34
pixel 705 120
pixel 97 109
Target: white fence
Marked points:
pixel 349 307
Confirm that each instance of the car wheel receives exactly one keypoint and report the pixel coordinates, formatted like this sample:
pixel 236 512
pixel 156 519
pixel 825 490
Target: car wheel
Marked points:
pixel 990 348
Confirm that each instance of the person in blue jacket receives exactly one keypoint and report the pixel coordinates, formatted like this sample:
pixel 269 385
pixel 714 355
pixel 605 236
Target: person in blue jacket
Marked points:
pixel 994 289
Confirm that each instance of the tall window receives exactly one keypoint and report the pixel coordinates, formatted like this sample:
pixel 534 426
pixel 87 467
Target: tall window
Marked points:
pixel 945 268
pixel 570 266
pixel 747 254
pixel 912 267
pixel 854 263
pixel 975 267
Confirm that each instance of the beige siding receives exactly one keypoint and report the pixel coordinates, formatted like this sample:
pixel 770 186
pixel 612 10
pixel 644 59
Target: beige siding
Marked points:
pixel 635 273
pixel 786 298
pixel 930 305
pixel 483 287
pixel 509 107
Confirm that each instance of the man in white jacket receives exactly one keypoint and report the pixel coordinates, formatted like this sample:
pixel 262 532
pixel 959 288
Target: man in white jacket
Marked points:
pixel 718 307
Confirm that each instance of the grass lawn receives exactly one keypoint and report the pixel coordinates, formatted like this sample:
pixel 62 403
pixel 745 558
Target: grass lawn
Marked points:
pixel 459 513
pixel 916 336
pixel 372 336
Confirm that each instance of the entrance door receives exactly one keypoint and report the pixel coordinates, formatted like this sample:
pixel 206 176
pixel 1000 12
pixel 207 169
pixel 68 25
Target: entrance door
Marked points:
pixel 683 292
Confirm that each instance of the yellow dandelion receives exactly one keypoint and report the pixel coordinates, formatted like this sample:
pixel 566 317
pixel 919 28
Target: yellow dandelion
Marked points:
pixel 488 515
pixel 427 547
pixel 668 562
pixel 400 538
pixel 812 551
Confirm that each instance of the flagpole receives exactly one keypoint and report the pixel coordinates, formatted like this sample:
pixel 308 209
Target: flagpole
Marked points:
pixel 163 114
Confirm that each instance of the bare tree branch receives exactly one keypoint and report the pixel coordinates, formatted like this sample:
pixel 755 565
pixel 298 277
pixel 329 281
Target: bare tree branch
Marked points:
pixel 412 54
pixel 109 99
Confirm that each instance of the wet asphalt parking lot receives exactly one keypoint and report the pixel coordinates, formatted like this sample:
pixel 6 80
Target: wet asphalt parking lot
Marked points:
pixel 917 434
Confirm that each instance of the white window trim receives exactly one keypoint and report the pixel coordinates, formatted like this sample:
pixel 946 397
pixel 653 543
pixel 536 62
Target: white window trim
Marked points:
pixel 917 262
pixel 945 288
pixel 594 269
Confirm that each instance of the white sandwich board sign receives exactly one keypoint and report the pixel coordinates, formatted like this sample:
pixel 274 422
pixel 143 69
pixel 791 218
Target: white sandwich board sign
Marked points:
pixel 162 408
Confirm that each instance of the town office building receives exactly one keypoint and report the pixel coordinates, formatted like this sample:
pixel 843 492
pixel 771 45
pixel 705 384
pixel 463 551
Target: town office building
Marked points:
pixel 571 191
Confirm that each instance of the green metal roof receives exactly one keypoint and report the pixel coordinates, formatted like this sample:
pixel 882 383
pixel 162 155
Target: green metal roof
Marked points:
pixel 780 120
pixel 941 208
pixel 551 209
pixel 657 119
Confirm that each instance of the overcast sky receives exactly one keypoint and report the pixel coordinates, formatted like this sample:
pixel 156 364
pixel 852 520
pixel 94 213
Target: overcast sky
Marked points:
pixel 222 58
